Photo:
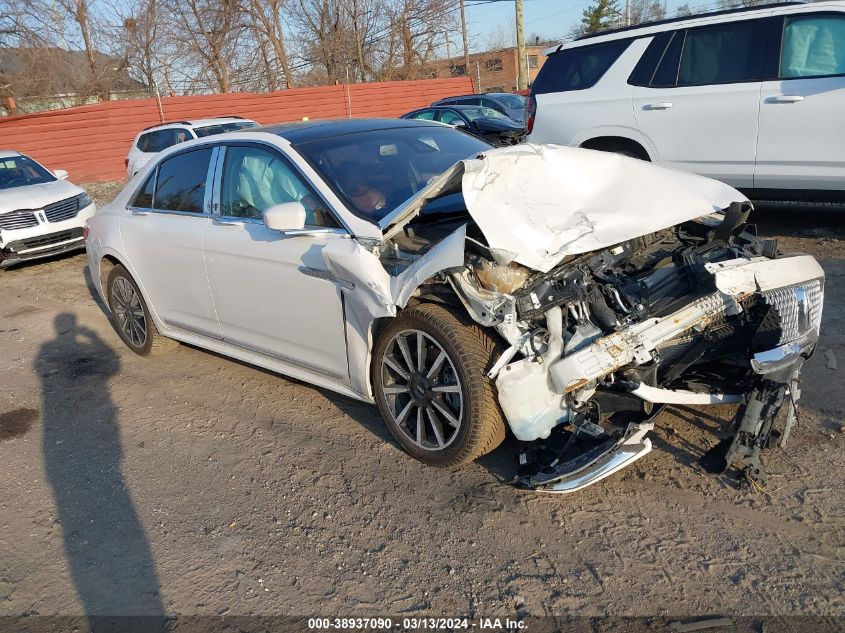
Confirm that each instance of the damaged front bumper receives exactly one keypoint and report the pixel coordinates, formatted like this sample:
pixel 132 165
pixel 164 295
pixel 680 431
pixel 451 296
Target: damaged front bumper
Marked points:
pixel 534 395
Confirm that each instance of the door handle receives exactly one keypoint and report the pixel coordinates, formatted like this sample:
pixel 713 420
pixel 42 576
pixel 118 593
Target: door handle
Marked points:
pixel 661 105
pixel 785 99
pixel 217 222
pixel 140 212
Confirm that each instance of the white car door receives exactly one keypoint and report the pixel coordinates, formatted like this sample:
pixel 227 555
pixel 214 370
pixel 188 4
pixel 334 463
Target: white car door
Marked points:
pixel 163 235
pixel 802 127
pixel 700 107
pixel 272 291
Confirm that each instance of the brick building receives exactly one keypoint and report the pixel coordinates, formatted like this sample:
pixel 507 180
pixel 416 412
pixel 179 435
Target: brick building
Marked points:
pixel 493 71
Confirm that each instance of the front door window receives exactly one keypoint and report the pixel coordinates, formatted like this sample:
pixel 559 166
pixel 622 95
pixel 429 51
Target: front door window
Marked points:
pixel 255 179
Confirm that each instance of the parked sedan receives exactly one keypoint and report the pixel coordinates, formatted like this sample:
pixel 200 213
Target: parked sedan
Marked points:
pixel 485 123
pixel 561 293
pixel 509 104
pixel 41 213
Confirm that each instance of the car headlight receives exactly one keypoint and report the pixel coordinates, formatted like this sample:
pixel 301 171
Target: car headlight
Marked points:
pixel 85 200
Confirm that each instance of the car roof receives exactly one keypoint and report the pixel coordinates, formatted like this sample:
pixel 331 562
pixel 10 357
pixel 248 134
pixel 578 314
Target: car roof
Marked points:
pixel 305 131
pixel 477 94
pixel 648 28
pixel 198 122
pixel 448 106
pixel 8 153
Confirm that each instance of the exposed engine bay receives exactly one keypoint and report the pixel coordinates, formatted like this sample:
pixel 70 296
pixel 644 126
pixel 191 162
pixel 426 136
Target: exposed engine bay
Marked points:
pixel 668 307
pixel 578 383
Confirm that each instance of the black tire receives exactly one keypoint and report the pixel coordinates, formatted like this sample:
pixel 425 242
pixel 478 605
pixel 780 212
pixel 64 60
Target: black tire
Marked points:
pixel 470 352
pixel 118 298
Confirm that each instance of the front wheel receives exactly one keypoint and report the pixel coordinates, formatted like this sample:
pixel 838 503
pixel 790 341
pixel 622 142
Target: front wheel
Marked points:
pixel 429 377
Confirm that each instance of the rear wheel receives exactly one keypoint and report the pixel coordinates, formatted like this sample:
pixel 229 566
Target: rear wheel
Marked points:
pixel 130 315
pixel 429 370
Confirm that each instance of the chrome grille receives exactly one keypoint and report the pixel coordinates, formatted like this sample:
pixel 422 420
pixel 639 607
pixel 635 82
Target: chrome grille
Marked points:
pixel 63 210
pixel 17 220
pixel 799 307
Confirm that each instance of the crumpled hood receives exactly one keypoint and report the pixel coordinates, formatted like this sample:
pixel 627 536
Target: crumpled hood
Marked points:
pixel 36 196
pixel 536 204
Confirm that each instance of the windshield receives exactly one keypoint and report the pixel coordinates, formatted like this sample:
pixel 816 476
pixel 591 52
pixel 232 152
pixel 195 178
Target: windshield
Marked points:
pixel 19 171
pixel 374 172
pixel 515 102
pixel 219 128
pixel 477 113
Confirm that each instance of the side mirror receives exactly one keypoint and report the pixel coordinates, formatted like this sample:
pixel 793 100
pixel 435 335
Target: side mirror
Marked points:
pixel 287 216
pixel 61 174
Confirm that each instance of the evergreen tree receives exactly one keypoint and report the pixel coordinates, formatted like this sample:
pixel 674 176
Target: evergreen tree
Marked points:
pixel 600 15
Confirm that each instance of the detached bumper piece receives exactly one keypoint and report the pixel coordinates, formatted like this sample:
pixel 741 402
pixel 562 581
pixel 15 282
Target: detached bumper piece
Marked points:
pixel 752 429
pixel 549 469
pixel 41 246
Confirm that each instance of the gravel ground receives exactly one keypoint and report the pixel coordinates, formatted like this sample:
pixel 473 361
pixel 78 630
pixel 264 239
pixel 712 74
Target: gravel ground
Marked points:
pixel 193 484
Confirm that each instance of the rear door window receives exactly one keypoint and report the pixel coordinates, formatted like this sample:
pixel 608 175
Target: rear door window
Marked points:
pixel 578 68
pixel 181 182
pixel 144 197
pixel 666 73
pixel 813 46
pixel 158 140
pixel 731 52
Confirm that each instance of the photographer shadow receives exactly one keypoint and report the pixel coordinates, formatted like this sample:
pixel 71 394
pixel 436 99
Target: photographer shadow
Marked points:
pixel 106 546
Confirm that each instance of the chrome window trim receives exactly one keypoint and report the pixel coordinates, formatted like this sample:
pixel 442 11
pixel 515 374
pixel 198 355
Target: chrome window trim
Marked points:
pixel 343 229
pixel 209 181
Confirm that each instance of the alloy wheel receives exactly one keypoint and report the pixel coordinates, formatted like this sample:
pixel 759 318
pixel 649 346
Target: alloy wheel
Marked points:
pixel 422 389
pixel 128 312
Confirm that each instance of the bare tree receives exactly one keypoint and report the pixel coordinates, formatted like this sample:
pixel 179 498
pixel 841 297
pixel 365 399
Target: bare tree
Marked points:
pixel 646 11
pixel 211 32
pixel 328 36
pixel 268 31
pixel 414 28
pixel 190 46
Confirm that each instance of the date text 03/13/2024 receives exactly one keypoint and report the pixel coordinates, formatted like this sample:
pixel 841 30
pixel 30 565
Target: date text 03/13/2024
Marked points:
pixel 415 624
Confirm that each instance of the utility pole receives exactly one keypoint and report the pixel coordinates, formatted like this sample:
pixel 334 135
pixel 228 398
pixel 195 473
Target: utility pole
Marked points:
pixel 522 75
pixel 627 12
pixel 464 32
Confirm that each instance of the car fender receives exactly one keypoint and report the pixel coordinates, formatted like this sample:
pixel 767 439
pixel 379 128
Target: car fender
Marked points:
pixel 447 254
pixel 371 294
pixel 106 251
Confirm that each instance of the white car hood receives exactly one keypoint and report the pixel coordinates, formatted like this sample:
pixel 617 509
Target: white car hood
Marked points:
pixel 536 204
pixel 36 196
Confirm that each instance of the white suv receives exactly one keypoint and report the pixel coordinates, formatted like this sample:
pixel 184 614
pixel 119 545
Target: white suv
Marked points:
pixel 41 213
pixel 754 97
pixel 151 140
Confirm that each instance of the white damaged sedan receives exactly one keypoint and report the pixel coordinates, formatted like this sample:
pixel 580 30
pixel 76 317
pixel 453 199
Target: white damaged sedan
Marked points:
pixel 565 294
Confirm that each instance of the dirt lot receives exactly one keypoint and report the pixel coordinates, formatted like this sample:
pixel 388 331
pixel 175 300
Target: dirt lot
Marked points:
pixel 192 484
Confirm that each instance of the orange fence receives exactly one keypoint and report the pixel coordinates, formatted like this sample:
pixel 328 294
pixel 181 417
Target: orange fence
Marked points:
pixel 91 142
